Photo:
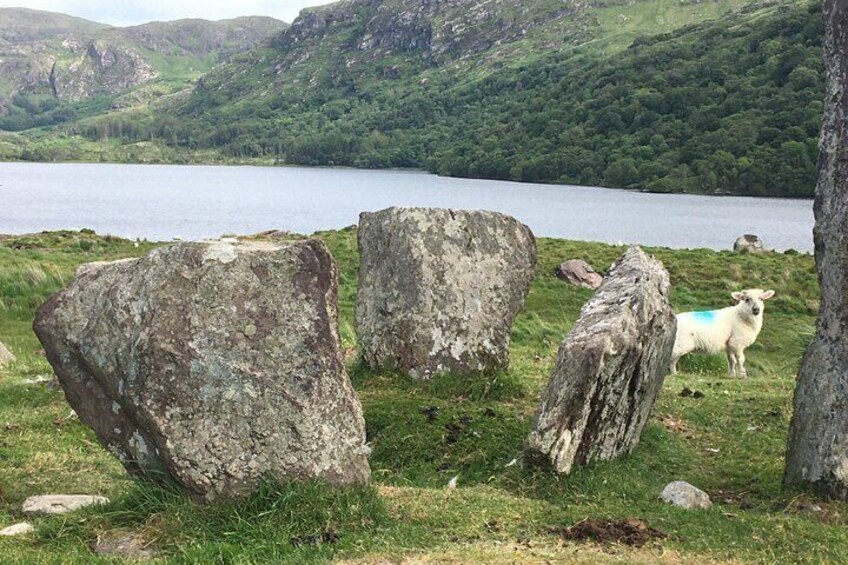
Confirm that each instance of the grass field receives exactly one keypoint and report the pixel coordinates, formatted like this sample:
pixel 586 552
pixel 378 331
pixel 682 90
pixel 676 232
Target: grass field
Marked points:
pixel 730 442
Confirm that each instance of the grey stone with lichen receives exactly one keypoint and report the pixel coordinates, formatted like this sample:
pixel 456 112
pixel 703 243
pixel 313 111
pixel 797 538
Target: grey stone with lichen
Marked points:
pixel 217 364
pixel 684 495
pixel 609 369
pixel 439 289
pixel 748 243
pixel 50 504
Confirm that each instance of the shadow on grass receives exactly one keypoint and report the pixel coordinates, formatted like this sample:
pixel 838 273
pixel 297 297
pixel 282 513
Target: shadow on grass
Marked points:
pixel 496 386
pixel 293 521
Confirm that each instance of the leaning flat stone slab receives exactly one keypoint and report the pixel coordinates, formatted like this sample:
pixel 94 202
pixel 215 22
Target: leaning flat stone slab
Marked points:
pixel 216 364
pixel 684 495
pixel 439 289
pixel 60 503
pixel 19 529
pixel 609 369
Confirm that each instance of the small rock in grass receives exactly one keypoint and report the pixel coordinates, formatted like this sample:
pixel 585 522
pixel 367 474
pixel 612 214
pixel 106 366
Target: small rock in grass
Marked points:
pixel 5 355
pixel 37 380
pixel 60 503
pixel 748 243
pixel 684 495
pixel 17 529
pixel 579 273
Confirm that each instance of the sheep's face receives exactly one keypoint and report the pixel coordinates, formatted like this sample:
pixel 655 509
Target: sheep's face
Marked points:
pixel 751 300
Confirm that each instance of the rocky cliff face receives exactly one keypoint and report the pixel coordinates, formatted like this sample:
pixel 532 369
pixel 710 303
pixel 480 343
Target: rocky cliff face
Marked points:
pixel 437 30
pixel 97 67
pixel 349 44
pixel 74 59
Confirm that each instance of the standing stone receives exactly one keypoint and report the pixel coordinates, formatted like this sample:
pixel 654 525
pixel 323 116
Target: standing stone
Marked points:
pixel 817 454
pixel 609 370
pixel 439 289
pixel 5 355
pixel 578 273
pixel 215 363
pixel 748 243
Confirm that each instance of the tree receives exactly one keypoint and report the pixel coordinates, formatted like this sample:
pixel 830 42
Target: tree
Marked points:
pixel 817 452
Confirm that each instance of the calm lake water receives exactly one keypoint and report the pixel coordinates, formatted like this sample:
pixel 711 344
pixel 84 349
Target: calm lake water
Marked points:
pixel 192 202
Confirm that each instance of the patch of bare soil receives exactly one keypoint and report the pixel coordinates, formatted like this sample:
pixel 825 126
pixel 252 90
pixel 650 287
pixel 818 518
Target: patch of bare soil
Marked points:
pixel 125 545
pixel 632 532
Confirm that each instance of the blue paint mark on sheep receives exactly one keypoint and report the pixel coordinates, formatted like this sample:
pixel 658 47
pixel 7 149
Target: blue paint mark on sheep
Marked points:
pixel 705 317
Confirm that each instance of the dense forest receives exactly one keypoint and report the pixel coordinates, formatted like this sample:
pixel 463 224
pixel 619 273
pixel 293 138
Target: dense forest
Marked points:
pixel 730 106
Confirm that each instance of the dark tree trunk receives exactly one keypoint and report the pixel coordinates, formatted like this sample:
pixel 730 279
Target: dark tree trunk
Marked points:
pixel 817 453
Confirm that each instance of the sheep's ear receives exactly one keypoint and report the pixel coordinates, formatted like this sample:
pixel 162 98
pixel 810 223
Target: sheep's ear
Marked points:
pixel 767 294
pixel 737 296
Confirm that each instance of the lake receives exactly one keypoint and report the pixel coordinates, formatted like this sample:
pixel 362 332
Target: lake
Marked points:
pixel 160 202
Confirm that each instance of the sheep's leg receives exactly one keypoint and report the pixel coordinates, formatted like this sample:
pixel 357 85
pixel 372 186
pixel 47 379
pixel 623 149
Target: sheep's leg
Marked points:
pixel 731 363
pixel 674 364
pixel 740 356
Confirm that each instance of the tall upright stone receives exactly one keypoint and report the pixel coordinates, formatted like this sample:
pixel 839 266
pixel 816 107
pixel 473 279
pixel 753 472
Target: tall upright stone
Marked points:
pixel 216 364
pixel 817 452
pixel 439 289
pixel 609 369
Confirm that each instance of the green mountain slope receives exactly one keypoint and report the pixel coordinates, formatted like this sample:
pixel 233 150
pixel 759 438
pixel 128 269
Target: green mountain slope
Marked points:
pixel 661 95
pixel 727 106
pixel 49 62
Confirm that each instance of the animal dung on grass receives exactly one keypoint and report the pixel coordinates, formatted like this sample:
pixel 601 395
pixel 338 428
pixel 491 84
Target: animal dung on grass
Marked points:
pixel 439 289
pixel 609 369
pixel 217 364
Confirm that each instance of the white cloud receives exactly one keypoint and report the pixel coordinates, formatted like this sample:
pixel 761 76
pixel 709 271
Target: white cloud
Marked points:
pixel 131 12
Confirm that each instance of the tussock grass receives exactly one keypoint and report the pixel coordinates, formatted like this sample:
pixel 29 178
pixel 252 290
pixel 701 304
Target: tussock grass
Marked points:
pixel 730 442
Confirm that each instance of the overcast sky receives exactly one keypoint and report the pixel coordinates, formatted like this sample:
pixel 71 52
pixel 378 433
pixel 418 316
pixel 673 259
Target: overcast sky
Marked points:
pixel 131 12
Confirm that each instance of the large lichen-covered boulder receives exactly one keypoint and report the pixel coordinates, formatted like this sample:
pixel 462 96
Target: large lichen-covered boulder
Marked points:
pixel 439 289
pixel 609 369
pixel 217 364
pixel 817 450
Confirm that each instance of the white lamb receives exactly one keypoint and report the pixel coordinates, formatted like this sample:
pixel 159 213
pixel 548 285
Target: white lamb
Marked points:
pixel 730 329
